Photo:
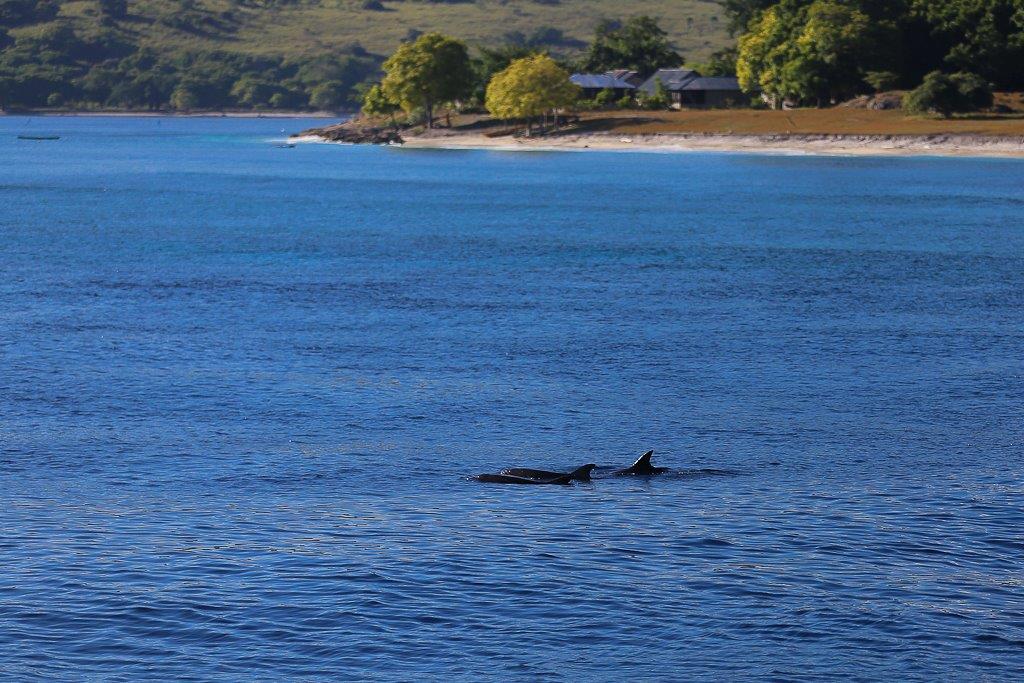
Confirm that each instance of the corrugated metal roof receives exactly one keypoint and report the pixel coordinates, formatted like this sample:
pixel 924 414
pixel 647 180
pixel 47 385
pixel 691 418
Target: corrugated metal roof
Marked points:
pixel 627 75
pixel 712 83
pixel 672 79
pixel 601 81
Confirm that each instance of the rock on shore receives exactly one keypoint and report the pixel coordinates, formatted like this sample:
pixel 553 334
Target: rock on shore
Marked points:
pixel 354 132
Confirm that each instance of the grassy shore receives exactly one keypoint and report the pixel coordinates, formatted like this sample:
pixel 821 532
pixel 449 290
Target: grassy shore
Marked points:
pixel 837 121
pixel 839 130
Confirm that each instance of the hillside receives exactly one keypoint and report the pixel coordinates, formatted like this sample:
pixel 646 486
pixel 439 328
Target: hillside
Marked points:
pixel 305 27
pixel 78 53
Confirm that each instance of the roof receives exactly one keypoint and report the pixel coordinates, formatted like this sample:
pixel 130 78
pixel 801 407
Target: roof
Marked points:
pixel 672 79
pixel 600 81
pixel 627 75
pixel 712 83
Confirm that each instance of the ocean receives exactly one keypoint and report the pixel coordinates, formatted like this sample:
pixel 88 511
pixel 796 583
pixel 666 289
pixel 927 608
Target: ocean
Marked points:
pixel 244 388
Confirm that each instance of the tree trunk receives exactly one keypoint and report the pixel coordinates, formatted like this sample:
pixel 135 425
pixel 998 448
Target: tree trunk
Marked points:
pixel 429 107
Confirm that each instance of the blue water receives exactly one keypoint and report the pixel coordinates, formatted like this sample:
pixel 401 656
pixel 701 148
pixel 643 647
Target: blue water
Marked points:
pixel 242 389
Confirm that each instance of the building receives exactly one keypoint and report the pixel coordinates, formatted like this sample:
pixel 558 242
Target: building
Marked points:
pixel 592 84
pixel 687 88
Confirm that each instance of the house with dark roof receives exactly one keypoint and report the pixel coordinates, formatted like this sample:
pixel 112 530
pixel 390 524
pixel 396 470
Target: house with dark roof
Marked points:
pixel 687 88
pixel 592 84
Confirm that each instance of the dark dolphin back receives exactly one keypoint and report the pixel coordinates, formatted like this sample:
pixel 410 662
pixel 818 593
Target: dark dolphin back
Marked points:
pixel 581 474
pixel 641 466
pixel 643 462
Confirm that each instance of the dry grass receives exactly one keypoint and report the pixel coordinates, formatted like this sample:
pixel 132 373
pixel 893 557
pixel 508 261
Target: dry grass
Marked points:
pixel 801 122
pixel 837 121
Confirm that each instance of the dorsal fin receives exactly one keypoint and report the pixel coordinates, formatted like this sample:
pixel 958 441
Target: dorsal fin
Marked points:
pixel 583 473
pixel 644 461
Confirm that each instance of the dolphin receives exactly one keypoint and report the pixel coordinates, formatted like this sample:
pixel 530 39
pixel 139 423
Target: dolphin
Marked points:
pixel 642 467
pixel 582 474
pixel 558 479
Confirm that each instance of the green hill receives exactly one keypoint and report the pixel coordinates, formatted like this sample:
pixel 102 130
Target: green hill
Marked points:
pixel 279 53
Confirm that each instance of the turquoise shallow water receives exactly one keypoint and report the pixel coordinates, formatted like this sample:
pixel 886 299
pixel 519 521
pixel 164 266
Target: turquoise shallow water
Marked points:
pixel 242 389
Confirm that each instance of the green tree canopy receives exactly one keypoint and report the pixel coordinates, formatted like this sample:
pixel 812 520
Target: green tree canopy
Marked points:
pixel 328 95
pixel 982 36
pixel 742 12
pixel 185 97
pixel 807 53
pixel 376 103
pixel 639 44
pixel 944 95
pixel 431 70
pixel 530 87
pixel 495 59
pixel 912 37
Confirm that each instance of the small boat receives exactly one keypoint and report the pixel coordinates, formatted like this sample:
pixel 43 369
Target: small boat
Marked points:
pixel 39 137
pixel 285 146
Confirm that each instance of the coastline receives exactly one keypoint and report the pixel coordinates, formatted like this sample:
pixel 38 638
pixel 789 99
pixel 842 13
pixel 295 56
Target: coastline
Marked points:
pixel 837 131
pixel 952 145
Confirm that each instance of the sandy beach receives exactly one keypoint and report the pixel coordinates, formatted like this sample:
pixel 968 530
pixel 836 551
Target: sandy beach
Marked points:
pixel 845 145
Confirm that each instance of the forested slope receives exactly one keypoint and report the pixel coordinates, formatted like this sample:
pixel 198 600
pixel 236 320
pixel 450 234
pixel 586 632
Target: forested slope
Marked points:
pixel 291 54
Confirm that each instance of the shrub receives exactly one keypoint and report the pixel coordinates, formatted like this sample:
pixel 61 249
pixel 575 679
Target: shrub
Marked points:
pixel 659 99
pixel 882 81
pixel 945 95
pixel 977 92
pixel 605 97
pixel 184 98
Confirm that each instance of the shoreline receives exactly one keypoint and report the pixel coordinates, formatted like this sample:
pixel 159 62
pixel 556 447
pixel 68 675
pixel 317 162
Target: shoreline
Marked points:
pixel 950 145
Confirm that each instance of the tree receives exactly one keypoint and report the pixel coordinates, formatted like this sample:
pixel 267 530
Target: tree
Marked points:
pixel 433 69
pixel 981 36
pixel 832 48
pixel 742 12
pixel 977 92
pixel 376 103
pixel 530 87
pixel 799 52
pixel 184 97
pixel 495 59
pixel 327 96
pixel 767 48
pixel 880 81
pixel 721 63
pixel 945 95
pixel 639 44
pixel 252 91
